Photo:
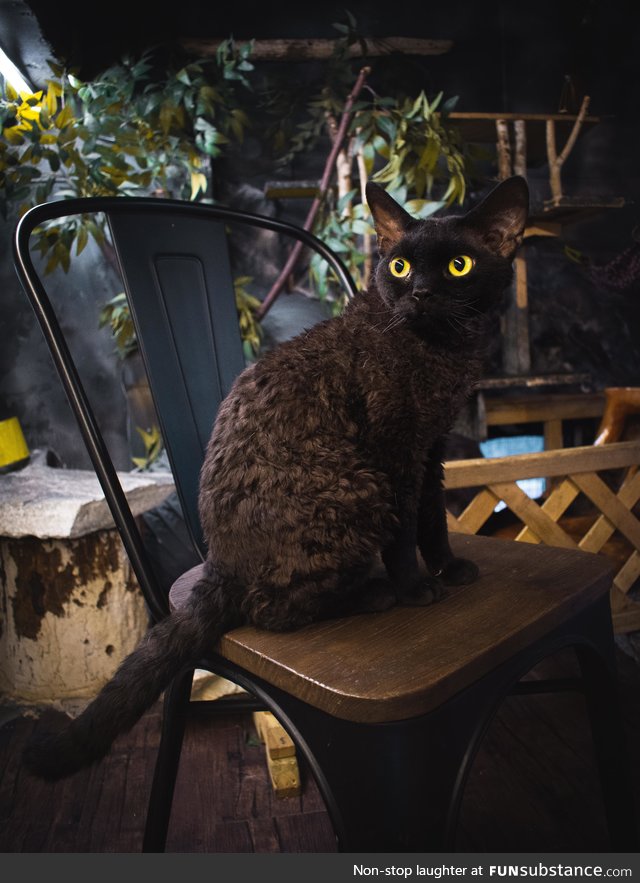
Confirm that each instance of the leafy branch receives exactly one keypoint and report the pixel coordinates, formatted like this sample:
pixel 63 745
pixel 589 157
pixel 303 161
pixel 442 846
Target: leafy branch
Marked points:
pixel 124 133
pixel 404 142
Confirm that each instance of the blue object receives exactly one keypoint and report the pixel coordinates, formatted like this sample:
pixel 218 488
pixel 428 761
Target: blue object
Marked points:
pixel 505 446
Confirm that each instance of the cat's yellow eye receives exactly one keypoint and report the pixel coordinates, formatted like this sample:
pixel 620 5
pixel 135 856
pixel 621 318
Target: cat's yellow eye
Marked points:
pixel 400 267
pixel 460 265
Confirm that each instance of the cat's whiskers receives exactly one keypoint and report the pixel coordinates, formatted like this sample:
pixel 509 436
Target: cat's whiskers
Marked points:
pixel 461 322
pixel 393 322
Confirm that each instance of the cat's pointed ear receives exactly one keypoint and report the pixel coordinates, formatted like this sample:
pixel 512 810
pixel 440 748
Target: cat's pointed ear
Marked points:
pixel 389 219
pixel 501 216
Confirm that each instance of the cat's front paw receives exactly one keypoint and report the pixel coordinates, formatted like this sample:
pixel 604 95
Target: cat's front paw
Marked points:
pixel 459 572
pixel 422 592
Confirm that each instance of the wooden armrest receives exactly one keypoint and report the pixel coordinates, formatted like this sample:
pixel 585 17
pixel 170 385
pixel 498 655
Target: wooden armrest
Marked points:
pixel 620 402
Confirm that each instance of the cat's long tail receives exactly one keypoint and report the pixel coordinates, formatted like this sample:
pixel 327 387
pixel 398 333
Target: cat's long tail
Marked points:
pixel 176 642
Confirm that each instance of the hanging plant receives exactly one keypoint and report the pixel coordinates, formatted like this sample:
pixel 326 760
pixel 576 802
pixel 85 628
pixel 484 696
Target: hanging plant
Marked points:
pixel 124 133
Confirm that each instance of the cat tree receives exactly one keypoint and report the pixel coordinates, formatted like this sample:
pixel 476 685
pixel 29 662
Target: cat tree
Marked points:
pixel 521 142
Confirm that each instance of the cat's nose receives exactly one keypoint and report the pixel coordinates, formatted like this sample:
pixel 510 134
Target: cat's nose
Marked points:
pixel 422 293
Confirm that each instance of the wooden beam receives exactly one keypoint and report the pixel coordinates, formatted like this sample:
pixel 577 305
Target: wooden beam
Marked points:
pixel 280 755
pixel 588 458
pixel 322 49
pixel 505 410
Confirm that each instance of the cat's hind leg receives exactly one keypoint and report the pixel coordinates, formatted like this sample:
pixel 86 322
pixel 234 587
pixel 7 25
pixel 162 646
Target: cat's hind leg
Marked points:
pixel 313 597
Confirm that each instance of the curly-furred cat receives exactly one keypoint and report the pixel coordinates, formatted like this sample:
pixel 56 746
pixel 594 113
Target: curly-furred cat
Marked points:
pixel 326 456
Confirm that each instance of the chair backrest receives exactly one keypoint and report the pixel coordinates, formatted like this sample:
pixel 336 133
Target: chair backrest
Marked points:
pixel 176 271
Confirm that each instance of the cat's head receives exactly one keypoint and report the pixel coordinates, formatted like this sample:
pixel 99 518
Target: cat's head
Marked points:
pixel 442 275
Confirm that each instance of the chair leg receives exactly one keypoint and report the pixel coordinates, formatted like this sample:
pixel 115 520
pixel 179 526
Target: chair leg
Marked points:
pixel 174 718
pixel 397 787
pixel 394 787
pixel 611 750
pixel 391 787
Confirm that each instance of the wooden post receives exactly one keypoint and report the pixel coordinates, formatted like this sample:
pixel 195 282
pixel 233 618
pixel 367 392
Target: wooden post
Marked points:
pixel 520 159
pixel 504 149
pixel 516 356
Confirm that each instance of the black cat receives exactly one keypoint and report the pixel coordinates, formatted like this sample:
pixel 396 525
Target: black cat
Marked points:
pixel 327 455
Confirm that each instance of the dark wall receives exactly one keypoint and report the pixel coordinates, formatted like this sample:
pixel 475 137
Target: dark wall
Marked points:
pixel 505 57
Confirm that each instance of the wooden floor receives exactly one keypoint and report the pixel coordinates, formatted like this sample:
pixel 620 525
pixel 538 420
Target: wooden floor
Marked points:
pixel 532 788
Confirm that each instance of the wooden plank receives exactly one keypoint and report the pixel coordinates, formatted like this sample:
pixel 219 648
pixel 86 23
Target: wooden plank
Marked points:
pixel 553 439
pixel 291 189
pixel 453 525
pixel 609 504
pixel 625 613
pixel 280 754
pixel 272 733
pixel 531 514
pixel 478 511
pixel 493 615
pixel 588 458
pixel 602 529
pixel 320 49
pixel 554 506
pixel 505 410
pixel 628 573
pixel 529 117
pixel 275 738
pixel 285 776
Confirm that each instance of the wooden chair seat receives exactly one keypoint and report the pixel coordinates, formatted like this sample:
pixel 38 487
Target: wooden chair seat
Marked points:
pixel 356 668
pixel 389 709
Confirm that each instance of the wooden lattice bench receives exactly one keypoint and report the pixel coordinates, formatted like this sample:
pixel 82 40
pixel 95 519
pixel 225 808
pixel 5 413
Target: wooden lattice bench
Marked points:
pixel 600 481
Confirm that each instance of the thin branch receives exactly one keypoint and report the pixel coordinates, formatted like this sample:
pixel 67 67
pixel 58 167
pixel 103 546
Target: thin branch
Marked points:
pixel 556 161
pixel 288 268
pixel 571 140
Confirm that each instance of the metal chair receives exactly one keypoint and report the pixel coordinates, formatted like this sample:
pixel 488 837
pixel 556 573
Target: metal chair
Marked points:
pixel 388 709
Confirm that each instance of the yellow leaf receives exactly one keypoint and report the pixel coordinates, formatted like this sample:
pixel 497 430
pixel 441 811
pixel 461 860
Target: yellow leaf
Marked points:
pixel 32 97
pixel 198 183
pixel 55 88
pixel 14 134
pixel 29 113
pixel 64 117
pixel 150 438
pixel 83 238
pixel 166 114
pixel 51 100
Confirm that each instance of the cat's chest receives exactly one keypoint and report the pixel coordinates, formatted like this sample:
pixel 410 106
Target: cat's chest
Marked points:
pixel 413 395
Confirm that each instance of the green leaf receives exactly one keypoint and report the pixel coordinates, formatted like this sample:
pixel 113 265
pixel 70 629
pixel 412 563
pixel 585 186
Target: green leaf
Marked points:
pixel 450 104
pixel 387 126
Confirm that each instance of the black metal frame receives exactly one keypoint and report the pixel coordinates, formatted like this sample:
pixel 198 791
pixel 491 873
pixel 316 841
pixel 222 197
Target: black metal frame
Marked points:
pixel 398 786
pixel 115 208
